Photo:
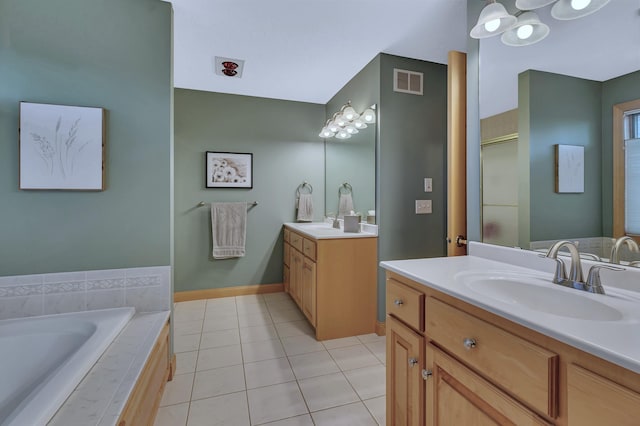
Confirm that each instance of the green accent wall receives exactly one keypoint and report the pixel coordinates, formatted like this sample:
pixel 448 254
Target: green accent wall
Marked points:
pixel 562 110
pixel 112 54
pixel 615 91
pixel 283 137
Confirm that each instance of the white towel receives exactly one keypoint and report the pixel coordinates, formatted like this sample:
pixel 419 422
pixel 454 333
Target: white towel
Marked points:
pixel 345 204
pixel 229 227
pixel 305 208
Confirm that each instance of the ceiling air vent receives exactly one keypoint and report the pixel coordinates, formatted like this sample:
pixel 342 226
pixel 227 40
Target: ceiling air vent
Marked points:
pixel 228 67
pixel 407 81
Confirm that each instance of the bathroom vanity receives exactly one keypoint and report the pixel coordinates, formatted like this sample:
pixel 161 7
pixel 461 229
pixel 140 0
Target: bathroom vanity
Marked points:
pixel 332 276
pixel 488 339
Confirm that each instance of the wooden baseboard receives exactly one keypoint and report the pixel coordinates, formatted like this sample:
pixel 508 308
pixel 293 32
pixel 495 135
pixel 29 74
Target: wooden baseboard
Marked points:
pixel 381 328
pixel 214 293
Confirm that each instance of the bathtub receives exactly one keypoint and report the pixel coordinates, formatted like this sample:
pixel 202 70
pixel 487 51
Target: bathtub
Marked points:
pixel 42 360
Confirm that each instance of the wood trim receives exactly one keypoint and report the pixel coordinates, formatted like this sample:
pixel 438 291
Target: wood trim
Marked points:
pixel 618 165
pixel 381 328
pixel 172 367
pixel 456 152
pixel 214 293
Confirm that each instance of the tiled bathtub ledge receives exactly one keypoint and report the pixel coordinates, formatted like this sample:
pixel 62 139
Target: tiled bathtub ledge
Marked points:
pixel 103 393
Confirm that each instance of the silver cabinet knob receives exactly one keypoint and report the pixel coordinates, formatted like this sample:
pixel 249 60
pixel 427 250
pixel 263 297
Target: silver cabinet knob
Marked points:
pixel 426 374
pixel 413 361
pixel 469 343
pixel 398 302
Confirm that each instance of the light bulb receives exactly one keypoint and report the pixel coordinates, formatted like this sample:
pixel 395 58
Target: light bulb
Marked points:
pixel 343 134
pixel 341 121
pixel 326 133
pixel 351 130
pixel 359 124
pixel 580 4
pixel 492 25
pixel 524 31
pixel 369 116
pixel 350 114
pixel 333 126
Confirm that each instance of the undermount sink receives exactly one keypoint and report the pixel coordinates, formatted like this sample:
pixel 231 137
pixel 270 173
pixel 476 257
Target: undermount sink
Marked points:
pixel 539 294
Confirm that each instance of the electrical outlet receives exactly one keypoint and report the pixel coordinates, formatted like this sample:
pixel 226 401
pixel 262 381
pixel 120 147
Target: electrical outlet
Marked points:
pixel 428 185
pixel 423 207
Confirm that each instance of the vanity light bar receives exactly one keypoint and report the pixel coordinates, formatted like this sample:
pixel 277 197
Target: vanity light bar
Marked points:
pixel 347 122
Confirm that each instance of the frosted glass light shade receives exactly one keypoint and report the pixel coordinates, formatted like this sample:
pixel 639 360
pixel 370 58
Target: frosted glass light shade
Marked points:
pixel 532 4
pixel 333 126
pixel 369 116
pixel 528 30
pixel 326 133
pixel 351 129
pixel 493 20
pixel 565 10
pixel 340 120
pixel 350 114
pixel 359 124
pixel 343 134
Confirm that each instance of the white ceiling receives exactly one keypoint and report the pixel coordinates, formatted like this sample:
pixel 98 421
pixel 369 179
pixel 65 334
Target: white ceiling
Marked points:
pixel 307 51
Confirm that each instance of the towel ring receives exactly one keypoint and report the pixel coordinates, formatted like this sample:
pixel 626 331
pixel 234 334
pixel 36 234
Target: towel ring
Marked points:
pixel 345 188
pixel 302 186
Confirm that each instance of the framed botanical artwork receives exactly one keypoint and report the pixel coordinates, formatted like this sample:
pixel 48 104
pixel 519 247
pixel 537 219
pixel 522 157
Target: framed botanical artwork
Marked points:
pixel 229 170
pixel 61 147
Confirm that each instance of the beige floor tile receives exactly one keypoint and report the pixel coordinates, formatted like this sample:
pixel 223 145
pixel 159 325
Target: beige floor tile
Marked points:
pixel 188 315
pixel 172 415
pixel 282 305
pixel 275 402
pixel 370 338
pixel 353 357
pixel 221 301
pixel 346 415
pixel 378 408
pixel 187 327
pixel 186 343
pixel 313 364
pixel 225 322
pixel 224 356
pixel 268 372
pixel 216 382
pixel 258 333
pixel 327 391
pixel 250 320
pixel 293 421
pixel 253 308
pixel 249 299
pixel 220 311
pixel 369 382
pixel 274 297
pixel 286 315
pixel 192 305
pixel 340 343
pixel 304 344
pixel 177 390
pixel 294 328
pixel 379 349
pixel 186 362
pixel 224 410
pixel 259 351
pixel 215 339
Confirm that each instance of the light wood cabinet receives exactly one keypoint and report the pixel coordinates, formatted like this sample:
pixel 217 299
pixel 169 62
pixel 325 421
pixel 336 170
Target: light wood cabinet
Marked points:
pixel 482 369
pixel 334 283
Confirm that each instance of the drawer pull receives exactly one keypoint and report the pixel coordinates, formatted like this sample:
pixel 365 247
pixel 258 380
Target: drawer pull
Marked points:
pixel 398 302
pixel 413 362
pixel 469 343
pixel 426 374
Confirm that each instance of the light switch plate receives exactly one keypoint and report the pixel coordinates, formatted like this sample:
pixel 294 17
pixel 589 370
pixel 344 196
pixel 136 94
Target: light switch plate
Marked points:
pixel 423 206
pixel 428 185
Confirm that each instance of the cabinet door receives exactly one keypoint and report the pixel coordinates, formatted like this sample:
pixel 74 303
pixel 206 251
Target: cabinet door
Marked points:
pixel 456 396
pixel 594 400
pixel 405 387
pixel 295 276
pixel 309 290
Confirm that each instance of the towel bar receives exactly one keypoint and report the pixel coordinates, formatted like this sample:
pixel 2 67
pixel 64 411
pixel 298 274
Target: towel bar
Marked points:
pixel 250 203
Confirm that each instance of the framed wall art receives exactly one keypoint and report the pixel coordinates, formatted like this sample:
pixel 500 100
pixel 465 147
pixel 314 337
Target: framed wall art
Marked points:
pixel 569 168
pixel 229 170
pixel 61 147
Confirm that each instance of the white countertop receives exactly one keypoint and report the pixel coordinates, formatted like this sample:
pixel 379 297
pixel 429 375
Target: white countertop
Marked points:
pixel 615 341
pixel 324 230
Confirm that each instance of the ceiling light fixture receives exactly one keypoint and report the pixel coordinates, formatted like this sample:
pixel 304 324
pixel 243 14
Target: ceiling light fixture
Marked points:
pixel 574 9
pixel 528 30
pixel 347 122
pixel 493 20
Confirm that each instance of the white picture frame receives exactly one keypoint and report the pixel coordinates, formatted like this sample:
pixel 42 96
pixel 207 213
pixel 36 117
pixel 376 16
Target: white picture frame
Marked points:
pixel 569 169
pixel 61 147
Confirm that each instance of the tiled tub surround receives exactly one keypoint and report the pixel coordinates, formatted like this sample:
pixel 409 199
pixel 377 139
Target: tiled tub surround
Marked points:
pixel 146 289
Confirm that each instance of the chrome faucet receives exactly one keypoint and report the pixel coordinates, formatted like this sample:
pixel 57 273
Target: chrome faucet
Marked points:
pixel 615 250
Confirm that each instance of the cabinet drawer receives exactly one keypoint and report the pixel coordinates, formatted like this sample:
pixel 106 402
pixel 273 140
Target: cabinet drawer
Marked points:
pixel 287 235
pixel 296 241
pixel 525 370
pixel 309 248
pixel 287 254
pixel 405 303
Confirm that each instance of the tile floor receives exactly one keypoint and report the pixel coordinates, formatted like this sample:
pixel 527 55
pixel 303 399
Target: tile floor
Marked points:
pixel 253 360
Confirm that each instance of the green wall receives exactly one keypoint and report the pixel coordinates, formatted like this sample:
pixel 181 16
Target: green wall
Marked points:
pixel 562 110
pixel 114 54
pixel 618 90
pixel 283 137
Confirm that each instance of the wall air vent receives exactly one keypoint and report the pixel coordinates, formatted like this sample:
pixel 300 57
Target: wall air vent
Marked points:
pixel 407 81
pixel 228 67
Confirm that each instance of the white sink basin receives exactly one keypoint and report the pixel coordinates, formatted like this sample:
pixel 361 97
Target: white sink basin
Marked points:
pixel 540 295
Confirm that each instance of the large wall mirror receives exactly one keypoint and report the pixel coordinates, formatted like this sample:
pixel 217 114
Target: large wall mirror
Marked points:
pixel 350 167
pixel 559 91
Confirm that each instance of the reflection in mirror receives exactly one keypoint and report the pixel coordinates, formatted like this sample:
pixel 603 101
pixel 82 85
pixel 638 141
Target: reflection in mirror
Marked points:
pixel 559 91
pixel 352 161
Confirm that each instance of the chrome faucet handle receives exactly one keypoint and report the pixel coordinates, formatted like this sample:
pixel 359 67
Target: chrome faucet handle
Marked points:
pixel 593 284
pixel 561 270
pixel 635 263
